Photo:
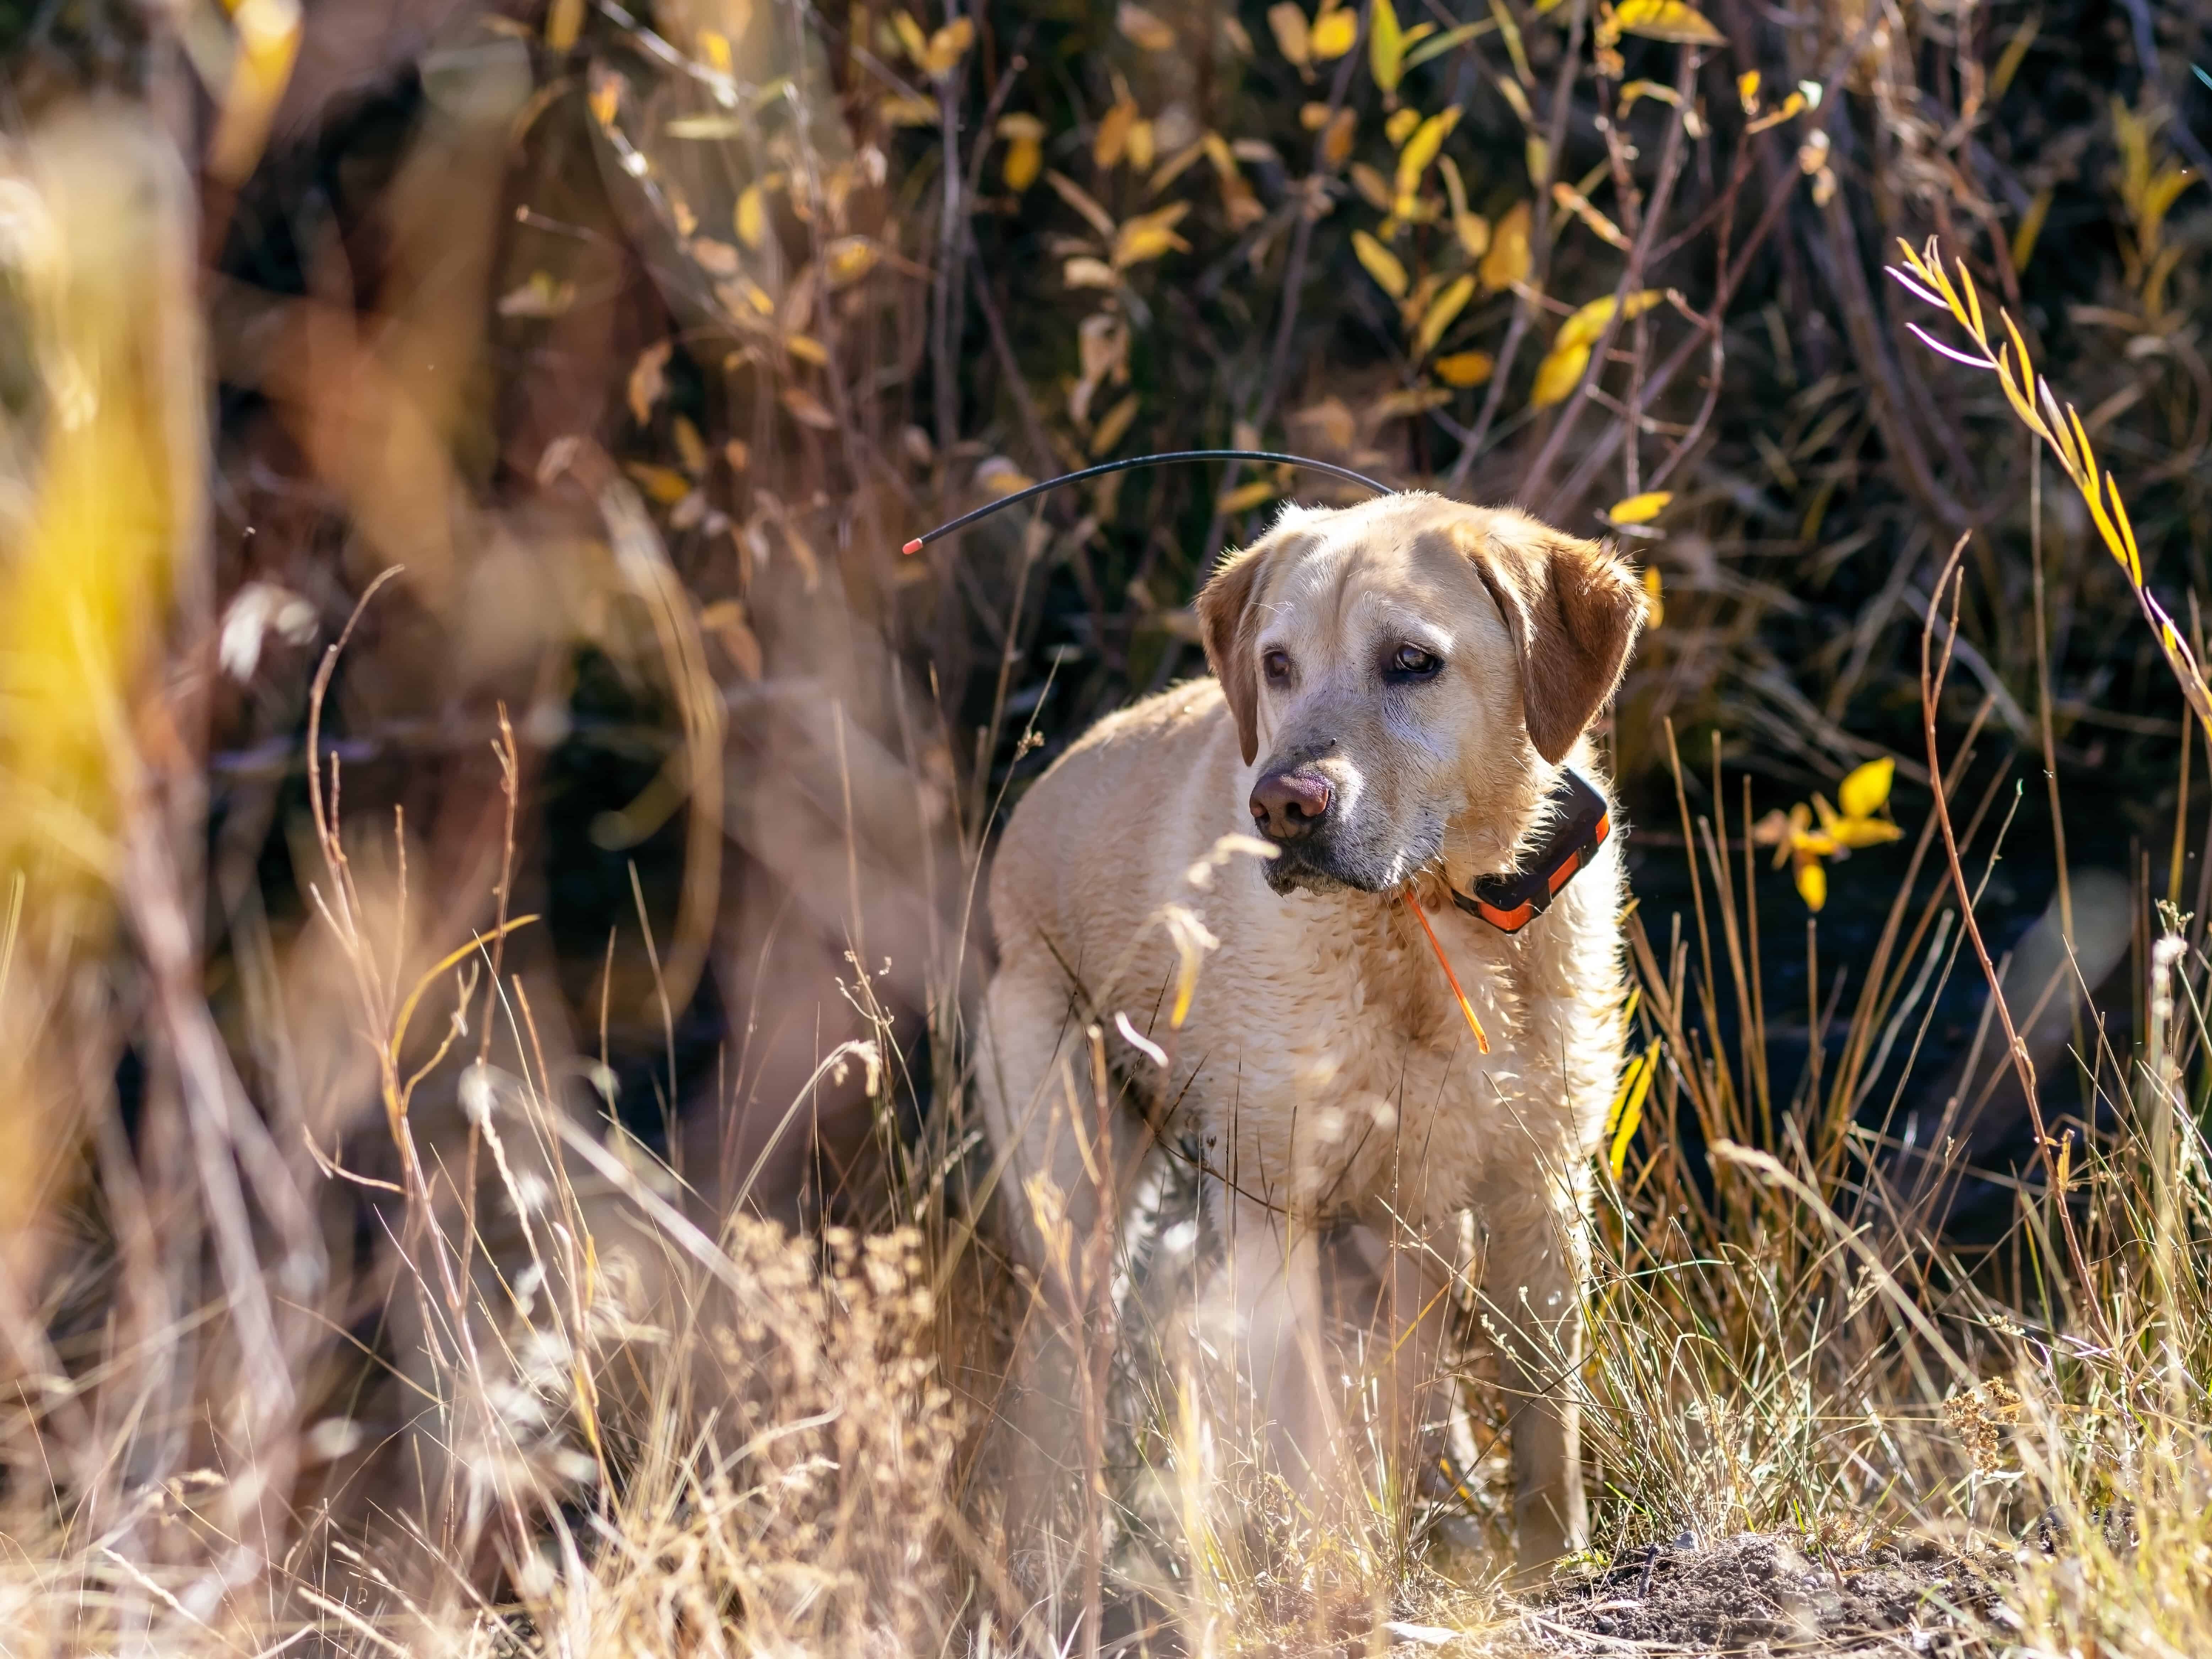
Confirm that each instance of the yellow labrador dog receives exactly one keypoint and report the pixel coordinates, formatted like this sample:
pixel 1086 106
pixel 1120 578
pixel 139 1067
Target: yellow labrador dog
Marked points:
pixel 1401 696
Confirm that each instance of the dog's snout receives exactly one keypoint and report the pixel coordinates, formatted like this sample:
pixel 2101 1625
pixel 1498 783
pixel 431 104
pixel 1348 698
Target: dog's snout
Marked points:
pixel 1289 804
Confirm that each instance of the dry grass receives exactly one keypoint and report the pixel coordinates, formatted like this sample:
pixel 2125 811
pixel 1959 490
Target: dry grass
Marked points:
pixel 387 1264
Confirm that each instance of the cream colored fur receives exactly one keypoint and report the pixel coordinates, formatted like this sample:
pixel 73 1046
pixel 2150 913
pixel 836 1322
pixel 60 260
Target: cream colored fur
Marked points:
pixel 1324 1066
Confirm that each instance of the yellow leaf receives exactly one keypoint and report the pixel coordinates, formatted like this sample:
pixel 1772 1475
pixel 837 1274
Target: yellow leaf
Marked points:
pixel 1627 1111
pixel 1312 116
pixel 1421 149
pixel 1442 311
pixel 1373 189
pixel 1402 122
pixel 850 258
pixel 1865 832
pixel 2030 228
pixel 1148 235
pixel 1465 368
pixel 908 111
pixel 1292 38
pixel 1334 35
pixel 1082 202
pixel 1382 264
pixel 606 98
pixel 1865 791
pixel 1024 160
pixel 910 35
pixel 714 47
pixel 1655 607
pixel 1113 135
pixel 1747 91
pixel 1667 19
pixel 1113 425
pixel 649 379
pixel 664 485
pixel 1336 142
pixel 1386 46
pixel 752 217
pixel 1245 497
pixel 1506 261
pixel 1583 327
pixel 948 46
pixel 726 620
pixel 564 20
pixel 1640 509
pixel 1145 27
pixel 807 349
pixel 1559 374
pixel 1000 476
pixel 1811 883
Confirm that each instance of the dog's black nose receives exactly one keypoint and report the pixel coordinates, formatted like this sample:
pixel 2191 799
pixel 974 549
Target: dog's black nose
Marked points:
pixel 1288 805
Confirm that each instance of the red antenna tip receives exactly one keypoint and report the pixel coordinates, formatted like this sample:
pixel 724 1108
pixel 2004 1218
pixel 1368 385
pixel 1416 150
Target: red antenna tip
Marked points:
pixel 914 546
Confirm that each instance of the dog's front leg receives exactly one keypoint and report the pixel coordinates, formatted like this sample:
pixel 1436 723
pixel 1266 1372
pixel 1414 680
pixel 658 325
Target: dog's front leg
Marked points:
pixel 1066 1158
pixel 1532 1273
pixel 1269 1293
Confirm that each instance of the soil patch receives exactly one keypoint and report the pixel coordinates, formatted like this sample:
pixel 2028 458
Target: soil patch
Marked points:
pixel 1761 1596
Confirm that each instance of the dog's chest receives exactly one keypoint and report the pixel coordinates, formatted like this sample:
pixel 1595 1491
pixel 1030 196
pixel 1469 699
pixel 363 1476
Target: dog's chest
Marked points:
pixel 1346 1077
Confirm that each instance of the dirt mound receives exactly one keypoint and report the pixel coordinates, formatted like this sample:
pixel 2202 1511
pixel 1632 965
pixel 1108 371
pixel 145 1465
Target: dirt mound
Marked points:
pixel 1760 1595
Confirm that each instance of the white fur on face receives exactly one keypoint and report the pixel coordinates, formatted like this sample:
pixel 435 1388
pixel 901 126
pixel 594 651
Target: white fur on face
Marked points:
pixel 1408 760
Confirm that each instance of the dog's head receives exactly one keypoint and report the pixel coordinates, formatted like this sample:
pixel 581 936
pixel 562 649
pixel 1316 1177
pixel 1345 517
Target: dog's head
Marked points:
pixel 1413 671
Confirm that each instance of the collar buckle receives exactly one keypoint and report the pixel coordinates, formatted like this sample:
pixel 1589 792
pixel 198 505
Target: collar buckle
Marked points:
pixel 1510 902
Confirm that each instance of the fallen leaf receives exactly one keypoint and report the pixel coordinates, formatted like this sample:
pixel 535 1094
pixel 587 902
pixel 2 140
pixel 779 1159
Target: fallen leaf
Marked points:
pixel 1382 264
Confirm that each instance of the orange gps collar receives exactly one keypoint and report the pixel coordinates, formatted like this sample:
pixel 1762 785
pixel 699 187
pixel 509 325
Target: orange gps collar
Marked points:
pixel 1510 903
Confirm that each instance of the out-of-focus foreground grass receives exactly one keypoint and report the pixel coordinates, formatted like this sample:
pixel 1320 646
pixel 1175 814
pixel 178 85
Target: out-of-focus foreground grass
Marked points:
pixel 484 1160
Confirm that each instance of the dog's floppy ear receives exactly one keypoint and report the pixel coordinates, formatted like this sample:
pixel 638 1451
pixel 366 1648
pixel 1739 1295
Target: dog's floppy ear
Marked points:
pixel 1225 623
pixel 1574 610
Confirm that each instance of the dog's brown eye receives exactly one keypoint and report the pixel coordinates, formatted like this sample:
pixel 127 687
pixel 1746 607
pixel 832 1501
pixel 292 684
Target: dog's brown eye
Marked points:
pixel 1277 665
pixel 1410 662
